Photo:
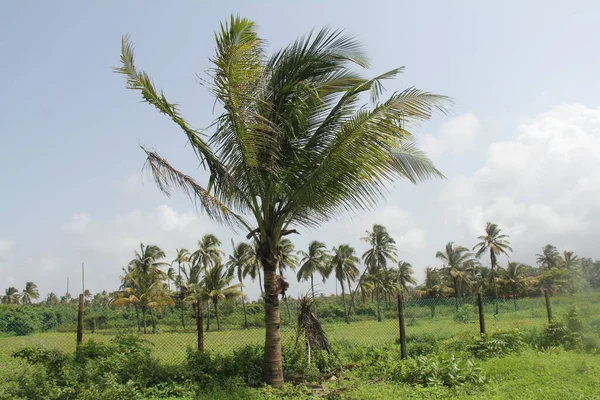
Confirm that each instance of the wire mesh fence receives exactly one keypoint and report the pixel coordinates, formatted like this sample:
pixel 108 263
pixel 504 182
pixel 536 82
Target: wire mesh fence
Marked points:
pixel 228 326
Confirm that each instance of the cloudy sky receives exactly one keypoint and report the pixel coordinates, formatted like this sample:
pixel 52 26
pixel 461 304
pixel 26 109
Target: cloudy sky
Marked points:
pixel 520 148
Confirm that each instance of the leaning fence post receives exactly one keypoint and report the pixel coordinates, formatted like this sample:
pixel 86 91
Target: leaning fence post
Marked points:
pixel 481 314
pixel 402 328
pixel 548 305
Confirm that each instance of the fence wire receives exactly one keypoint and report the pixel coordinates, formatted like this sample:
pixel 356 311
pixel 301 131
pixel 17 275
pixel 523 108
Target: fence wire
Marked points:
pixel 230 325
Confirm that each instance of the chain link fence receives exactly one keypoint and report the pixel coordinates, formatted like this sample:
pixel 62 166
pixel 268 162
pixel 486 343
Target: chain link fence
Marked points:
pixel 230 325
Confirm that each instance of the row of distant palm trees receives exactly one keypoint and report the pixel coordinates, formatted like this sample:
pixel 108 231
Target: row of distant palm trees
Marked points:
pixel 12 295
pixel 203 277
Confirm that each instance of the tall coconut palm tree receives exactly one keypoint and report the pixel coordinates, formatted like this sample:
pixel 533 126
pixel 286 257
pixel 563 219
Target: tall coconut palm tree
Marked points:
pixel 287 256
pixel 513 277
pixel 51 299
pixel 208 254
pixel 313 262
pixel 549 258
pixel 432 288
pixel 405 275
pixel 143 283
pixel 30 292
pixel 343 266
pixel 216 287
pixel 240 262
pixel 496 243
pixel 293 146
pixel 182 258
pixel 11 296
pixel 459 265
pixel 570 260
pixel 383 248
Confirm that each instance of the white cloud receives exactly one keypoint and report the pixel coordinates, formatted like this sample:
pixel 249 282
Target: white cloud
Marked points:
pixel 77 223
pixel 541 186
pixel 455 137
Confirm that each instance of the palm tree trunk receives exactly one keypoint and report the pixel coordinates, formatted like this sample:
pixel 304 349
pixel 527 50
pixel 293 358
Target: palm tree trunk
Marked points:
pixel 182 310
pixel 153 322
pixel 199 325
pixel 208 315
pixel 378 305
pixel 244 307
pixel 272 368
pixel 344 301
pixel 514 298
pixel 181 297
pixel 312 286
pixel 137 317
pixel 493 263
pixel 455 294
pixel 144 318
pixel 351 298
pixel 215 304
pixel 260 284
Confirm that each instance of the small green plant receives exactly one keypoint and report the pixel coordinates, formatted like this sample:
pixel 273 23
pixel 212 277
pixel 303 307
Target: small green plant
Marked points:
pixel 499 343
pixel 442 370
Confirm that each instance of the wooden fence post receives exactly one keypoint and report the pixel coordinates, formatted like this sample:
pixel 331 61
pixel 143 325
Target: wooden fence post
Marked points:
pixel 403 350
pixel 80 321
pixel 548 305
pixel 481 314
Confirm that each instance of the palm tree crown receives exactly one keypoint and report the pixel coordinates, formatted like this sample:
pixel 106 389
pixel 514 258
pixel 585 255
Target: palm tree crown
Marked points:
pixel 313 262
pixel 383 248
pixel 549 258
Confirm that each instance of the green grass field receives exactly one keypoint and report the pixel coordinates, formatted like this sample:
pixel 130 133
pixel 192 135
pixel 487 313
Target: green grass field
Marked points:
pixel 171 347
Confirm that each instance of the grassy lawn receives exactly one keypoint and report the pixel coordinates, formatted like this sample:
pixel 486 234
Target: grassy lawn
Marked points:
pixel 549 376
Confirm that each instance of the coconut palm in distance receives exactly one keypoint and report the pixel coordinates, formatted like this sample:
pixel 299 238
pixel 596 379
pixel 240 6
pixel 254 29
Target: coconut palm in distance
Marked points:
pixel 183 257
pixel 405 275
pixel 143 283
pixel 30 292
pixel 52 299
pixel 240 262
pixel 383 248
pixel 216 287
pixel 432 288
pixel 11 296
pixel 459 265
pixel 343 266
pixel 549 258
pixel 496 243
pixel 513 277
pixel 313 262
pixel 293 146
pixel 570 260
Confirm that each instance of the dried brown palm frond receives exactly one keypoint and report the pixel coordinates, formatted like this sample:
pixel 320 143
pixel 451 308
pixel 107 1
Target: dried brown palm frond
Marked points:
pixel 310 329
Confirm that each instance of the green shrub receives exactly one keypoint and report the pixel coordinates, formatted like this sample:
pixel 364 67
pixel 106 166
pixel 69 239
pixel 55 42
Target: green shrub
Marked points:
pixel 441 370
pixel 464 314
pixel 499 343
pixel 52 360
pixel 422 345
pixel 19 321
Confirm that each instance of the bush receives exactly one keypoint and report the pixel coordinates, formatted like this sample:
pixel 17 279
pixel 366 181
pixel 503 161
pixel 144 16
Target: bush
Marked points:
pixel 19 321
pixel 441 370
pixel 500 343
pixel 422 345
pixel 464 314
pixel 52 360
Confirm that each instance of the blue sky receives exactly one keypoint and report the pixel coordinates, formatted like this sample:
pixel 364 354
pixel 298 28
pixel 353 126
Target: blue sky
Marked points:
pixel 521 145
